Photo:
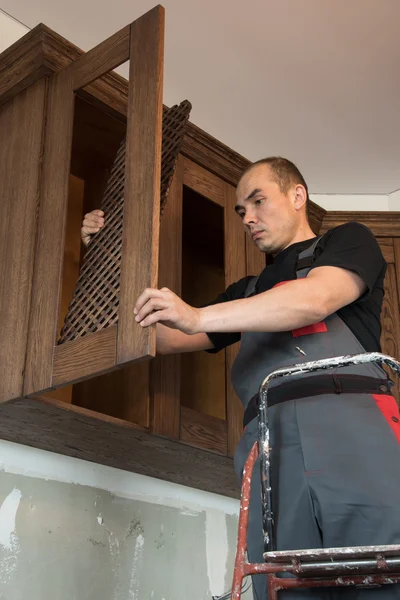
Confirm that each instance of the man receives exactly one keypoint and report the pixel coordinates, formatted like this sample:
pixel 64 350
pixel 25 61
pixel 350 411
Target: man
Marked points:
pixel 334 437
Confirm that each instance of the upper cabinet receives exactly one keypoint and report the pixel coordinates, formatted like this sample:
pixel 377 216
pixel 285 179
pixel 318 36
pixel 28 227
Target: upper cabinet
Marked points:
pixel 75 371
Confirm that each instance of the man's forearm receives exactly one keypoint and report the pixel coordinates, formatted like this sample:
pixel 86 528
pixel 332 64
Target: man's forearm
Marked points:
pixel 290 306
pixel 173 341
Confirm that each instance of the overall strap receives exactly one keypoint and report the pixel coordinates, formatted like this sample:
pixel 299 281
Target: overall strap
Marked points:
pixel 303 265
pixel 251 287
pixel 306 259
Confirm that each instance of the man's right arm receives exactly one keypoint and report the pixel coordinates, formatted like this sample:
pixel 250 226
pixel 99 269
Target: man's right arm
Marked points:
pixel 173 341
pixel 169 341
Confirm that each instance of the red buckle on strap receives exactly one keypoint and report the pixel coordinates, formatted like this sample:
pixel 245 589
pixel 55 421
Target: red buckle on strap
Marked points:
pixel 316 328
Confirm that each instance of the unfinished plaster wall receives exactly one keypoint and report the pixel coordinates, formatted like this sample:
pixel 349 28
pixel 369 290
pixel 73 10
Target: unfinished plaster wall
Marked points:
pixel 72 530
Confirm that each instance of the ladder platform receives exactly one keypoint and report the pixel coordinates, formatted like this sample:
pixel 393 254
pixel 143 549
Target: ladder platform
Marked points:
pixel 320 554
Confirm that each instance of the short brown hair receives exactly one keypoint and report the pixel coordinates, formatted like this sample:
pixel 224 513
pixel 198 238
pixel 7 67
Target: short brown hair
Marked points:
pixel 285 173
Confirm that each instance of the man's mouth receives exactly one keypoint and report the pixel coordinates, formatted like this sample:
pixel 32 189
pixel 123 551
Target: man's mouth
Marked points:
pixel 256 234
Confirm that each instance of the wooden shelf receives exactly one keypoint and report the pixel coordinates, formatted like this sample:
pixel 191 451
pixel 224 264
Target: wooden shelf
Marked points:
pixel 74 431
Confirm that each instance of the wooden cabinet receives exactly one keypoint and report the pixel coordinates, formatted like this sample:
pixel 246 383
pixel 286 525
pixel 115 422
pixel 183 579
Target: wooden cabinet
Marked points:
pixel 173 417
pixel 386 228
pixel 188 397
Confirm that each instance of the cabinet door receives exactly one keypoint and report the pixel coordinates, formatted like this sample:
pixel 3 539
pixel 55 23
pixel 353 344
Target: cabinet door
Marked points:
pixel 390 318
pixel 47 364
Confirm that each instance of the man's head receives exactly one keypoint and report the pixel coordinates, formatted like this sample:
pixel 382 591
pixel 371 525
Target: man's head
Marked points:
pixel 272 203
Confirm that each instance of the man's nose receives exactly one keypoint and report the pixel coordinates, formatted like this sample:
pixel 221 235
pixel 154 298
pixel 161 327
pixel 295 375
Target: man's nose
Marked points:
pixel 250 217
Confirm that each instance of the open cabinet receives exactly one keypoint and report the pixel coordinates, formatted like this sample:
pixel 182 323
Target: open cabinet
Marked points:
pixel 97 396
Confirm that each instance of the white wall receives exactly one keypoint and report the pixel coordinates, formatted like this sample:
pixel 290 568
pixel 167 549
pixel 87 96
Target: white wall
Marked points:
pixel 353 202
pixel 394 200
pixel 10 30
pixel 108 533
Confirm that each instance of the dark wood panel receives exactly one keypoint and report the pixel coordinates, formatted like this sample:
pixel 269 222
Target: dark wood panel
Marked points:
pixel 21 127
pixel 396 249
pixel 72 255
pixel 390 319
pixel 140 238
pixel 316 215
pixel 21 65
pixel 255 260
pixel 386 245
pixel 203 431
pixel 382 224
pixel 166 370
pixel 74 431
pixel 84 356
pixel 105 57
pixel 123 394
pixel 51 233
pixel 203 382
pixel 203 182
pixel 95 142
pixel 235 269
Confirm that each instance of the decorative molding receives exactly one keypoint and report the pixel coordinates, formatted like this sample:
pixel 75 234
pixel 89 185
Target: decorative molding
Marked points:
pixel 67 429
pixel 382 224
pixel 21 64
pixel 42 52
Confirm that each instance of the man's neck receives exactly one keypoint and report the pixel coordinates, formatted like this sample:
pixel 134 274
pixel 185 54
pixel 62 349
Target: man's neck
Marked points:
pixel 303 233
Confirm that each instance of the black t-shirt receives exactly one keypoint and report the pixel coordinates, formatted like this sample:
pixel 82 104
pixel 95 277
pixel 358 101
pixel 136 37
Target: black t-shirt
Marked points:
pixel 351 246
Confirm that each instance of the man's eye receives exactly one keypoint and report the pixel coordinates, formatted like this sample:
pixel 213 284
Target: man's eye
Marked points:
pixel 258 201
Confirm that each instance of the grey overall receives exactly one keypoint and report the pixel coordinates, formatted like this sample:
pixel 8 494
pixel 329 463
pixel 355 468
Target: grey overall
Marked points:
pixel 335 457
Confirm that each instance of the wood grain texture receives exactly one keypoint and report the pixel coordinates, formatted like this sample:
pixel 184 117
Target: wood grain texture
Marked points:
pixel 203 431
pixel 203 382
pixel 95 143
pixel 235 269
pixel 316 215
pixel 386 245
pixel 74 431
pixel 21 132
pixel 72 253
pixel 382 224
pixel 51 233
pixel 255 260
pixel 91 354
pixel 111 91
pixel 105 57
pixel 390 319
pixel 21 65
pixel 203 182
pixel 140 238
pixel 123 394
pixel 166 370
pixel 396 249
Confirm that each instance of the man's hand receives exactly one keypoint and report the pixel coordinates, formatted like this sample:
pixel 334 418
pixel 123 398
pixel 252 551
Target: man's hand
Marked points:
pixel 92 223
pixel 163 306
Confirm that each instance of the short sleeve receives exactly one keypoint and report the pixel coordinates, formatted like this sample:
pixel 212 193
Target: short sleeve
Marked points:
pixel 236 291
pixel 353 246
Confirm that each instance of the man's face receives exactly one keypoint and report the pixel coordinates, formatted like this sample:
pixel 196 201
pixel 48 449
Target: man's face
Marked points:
pixel 268 215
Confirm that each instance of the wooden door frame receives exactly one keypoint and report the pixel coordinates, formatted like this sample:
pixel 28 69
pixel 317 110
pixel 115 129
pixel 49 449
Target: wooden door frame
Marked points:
pixel 48 365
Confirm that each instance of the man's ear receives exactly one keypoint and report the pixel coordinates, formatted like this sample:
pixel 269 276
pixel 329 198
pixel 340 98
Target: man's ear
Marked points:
pixel 299 196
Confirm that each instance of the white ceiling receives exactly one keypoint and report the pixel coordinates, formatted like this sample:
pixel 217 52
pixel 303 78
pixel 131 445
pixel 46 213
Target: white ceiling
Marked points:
pixel 317 81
